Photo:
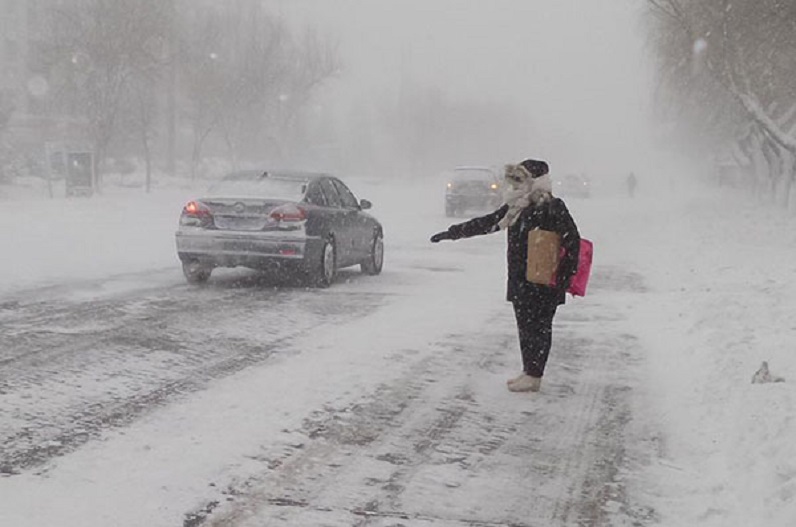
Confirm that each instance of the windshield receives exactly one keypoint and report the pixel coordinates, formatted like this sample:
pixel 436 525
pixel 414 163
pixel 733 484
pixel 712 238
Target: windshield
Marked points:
pixel 473 175
pixel 257 185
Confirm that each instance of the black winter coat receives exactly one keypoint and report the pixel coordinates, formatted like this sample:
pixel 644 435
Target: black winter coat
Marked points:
pixel 551 215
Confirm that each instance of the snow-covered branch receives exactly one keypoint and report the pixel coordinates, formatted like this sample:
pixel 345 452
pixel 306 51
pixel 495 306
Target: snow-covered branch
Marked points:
pixel 754 107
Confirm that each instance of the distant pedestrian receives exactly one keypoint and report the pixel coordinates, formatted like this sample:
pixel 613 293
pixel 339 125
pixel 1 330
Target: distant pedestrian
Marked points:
pixel 529 205
pixel 631 184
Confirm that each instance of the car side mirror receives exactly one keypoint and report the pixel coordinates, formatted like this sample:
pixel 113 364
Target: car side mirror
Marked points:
pixel 365 204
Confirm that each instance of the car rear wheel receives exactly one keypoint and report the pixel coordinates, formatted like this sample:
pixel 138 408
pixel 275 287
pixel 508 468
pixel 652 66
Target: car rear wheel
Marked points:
pixel 326 269
pixel 375 261
pixel 195 272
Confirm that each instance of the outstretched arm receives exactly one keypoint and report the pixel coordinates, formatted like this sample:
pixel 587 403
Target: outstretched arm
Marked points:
pixel 474 227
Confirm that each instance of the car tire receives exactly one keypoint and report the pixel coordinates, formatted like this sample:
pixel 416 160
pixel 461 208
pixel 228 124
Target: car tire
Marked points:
pixel 195 272
pixel 325 269
pixel 375 261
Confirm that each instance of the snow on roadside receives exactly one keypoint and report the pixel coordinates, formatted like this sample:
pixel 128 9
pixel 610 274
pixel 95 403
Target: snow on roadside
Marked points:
pixel 721 297
pixel 52 241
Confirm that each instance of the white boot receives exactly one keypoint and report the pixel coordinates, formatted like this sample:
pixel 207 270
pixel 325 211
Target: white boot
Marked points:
pixel 526 383
pixel 515 379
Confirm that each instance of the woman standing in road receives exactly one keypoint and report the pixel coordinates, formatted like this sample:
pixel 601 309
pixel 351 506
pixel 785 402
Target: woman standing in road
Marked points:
pixel 529 205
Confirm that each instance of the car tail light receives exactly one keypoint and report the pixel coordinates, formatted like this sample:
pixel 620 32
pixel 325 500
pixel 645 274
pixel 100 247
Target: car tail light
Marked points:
pixel 197 214
pixel 289 212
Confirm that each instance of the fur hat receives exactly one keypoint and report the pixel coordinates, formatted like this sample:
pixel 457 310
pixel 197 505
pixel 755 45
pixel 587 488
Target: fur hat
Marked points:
pixel 535 168
pixel 524 188
pixel 516 174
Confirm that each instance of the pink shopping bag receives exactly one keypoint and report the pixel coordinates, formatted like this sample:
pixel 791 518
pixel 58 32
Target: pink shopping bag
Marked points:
pixel 577 286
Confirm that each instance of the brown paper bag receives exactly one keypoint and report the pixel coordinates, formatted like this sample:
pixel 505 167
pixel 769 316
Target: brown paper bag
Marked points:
pixel 543 247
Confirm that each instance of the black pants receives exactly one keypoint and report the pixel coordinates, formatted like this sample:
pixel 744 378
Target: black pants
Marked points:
pixel 535 326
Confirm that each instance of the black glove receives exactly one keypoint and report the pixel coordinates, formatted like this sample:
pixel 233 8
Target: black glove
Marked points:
pixel 444 235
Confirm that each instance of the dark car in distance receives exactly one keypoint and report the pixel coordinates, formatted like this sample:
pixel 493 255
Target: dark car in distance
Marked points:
pixel 471 188
pixel 293 222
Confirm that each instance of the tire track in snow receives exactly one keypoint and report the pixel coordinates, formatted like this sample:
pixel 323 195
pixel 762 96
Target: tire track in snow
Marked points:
pixel 562 457
pixel 69 370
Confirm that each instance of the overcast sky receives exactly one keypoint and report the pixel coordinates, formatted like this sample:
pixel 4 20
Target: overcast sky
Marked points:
pixel 576 65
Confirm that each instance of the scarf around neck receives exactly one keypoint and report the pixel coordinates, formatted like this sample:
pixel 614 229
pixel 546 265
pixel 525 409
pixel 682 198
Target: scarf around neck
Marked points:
pixel 521 191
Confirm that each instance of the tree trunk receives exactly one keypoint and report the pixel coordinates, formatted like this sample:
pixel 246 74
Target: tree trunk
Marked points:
pixel 99 156
pixel 771 176
pixel 171 94
pixel 147 161
pixel 196 154
pixel 759 163
pixel 788 173
pixel 231 150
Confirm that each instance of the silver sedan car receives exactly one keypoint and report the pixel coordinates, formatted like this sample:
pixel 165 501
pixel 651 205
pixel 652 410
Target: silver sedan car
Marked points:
pixel 294 222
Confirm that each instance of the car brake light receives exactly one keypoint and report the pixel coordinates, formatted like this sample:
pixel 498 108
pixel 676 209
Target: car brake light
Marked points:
pixel 196 208
pixel 196 213
pixel 289 213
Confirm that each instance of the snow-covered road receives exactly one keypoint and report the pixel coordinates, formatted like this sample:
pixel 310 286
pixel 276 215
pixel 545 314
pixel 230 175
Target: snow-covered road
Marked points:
pixel 377 400
pixel 128 398
pixel 135 399
pixel 71 368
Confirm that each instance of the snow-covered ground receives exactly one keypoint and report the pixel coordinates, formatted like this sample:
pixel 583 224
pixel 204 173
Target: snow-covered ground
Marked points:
pixel 705 283
pixel 721 300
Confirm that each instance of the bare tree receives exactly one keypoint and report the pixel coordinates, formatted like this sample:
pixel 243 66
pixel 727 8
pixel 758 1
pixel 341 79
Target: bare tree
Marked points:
pixel 245 78
pixel 97 49
pixel 311 61
pixel 233 70
pixel 6 109
pixel 145 108
pixel 715 55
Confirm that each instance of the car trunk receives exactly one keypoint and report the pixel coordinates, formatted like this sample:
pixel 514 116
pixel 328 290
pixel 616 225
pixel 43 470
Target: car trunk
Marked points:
pixel 244 214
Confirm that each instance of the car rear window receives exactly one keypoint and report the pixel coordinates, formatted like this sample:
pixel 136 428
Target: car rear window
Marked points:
pixel 332 197
pixel 260 186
